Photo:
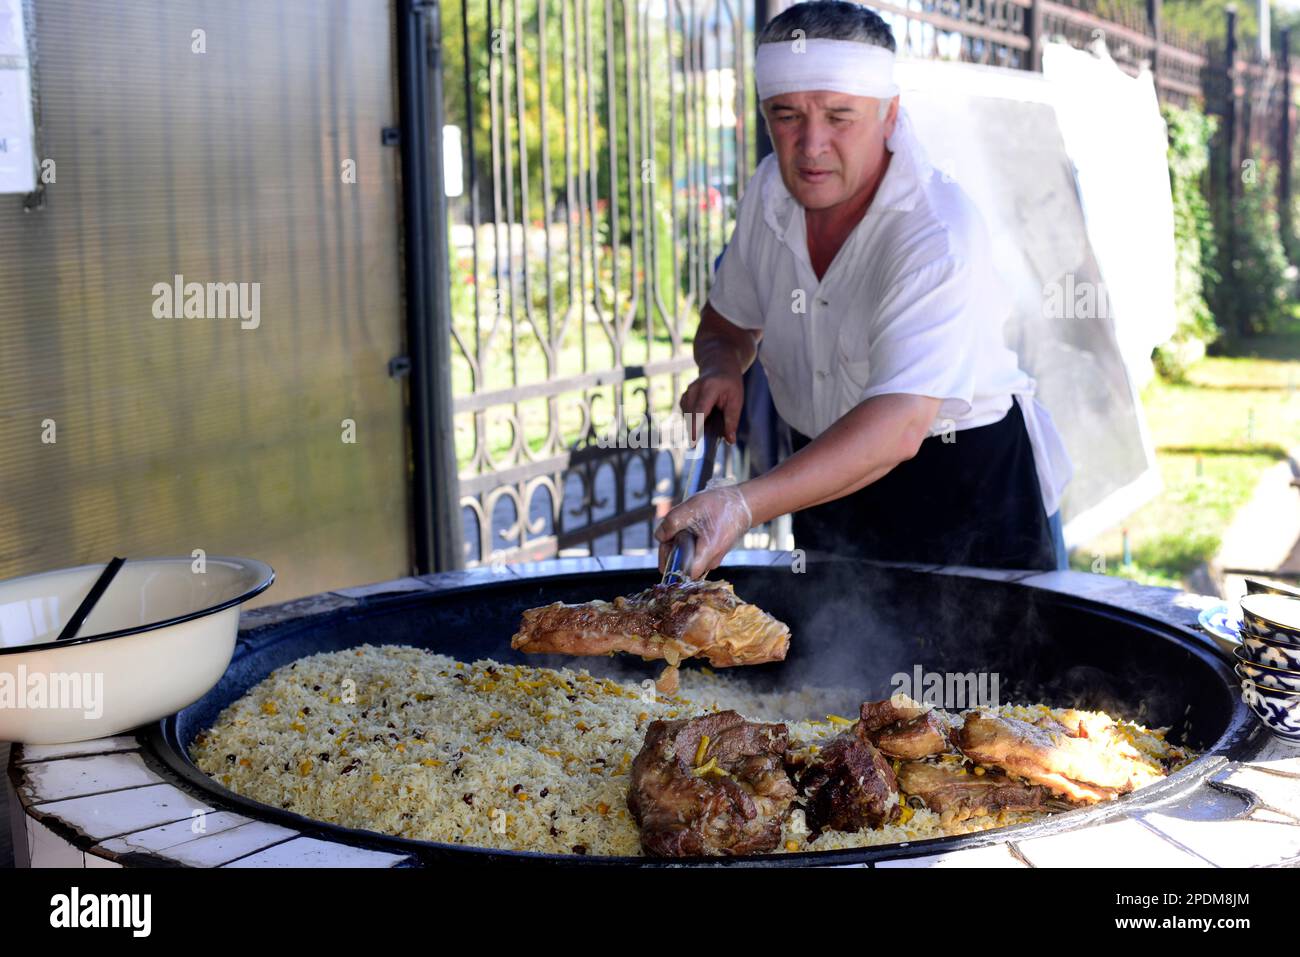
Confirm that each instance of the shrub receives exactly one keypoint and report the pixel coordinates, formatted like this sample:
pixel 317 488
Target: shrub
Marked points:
pixel 1251 296
pixel 1190 131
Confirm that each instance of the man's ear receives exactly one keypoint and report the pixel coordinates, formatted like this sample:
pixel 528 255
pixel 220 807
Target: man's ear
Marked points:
pixel 889 115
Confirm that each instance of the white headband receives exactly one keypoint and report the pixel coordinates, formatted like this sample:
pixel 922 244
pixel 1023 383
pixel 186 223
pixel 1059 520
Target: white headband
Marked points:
pixel 844 66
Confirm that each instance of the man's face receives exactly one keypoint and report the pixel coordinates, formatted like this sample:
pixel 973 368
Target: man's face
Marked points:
pixel 829 145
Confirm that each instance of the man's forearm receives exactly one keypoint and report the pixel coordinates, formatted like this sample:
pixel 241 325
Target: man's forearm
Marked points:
pixel 876 473
pixel 858 449
pixel 722 348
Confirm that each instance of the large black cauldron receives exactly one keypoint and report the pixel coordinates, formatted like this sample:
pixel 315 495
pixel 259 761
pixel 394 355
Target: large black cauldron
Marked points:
pixel 853 623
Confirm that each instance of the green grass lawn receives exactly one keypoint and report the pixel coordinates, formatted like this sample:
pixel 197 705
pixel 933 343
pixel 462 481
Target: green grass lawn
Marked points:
pixel 1214 435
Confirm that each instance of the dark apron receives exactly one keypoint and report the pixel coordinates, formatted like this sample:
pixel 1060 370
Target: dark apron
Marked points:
pixel 971 501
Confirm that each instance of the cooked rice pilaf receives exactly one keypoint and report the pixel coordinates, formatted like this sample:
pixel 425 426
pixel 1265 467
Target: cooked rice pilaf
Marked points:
pixel 402 741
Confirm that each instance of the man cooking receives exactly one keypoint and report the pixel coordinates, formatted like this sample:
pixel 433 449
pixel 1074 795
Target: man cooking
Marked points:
pixel 862 279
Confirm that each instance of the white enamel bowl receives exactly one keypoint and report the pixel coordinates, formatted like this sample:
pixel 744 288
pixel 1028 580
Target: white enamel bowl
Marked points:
pixel 159 638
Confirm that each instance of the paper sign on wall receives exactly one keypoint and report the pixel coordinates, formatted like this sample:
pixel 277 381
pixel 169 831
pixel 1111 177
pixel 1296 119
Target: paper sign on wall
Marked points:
pixel 17 132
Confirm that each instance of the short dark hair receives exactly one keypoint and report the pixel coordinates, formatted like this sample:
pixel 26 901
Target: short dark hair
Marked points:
pixel 828 20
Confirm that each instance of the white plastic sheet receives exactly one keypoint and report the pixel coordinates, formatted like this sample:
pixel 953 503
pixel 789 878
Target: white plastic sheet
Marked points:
pixel 1117 139
pixel 1000 134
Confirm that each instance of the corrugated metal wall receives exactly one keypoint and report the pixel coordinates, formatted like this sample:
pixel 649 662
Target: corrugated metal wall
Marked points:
pixel 221 166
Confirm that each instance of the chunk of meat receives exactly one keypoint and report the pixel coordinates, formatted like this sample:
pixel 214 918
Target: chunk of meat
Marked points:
pixel 1083 769
pixel 849 785
pixel 909 731
pixel 875 715
pixel 673 622
pixel 915 739
pixel 712 785
pixel 956 797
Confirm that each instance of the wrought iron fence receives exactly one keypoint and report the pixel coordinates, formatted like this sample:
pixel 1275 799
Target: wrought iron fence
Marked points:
pixel 993 32
pixel 603 146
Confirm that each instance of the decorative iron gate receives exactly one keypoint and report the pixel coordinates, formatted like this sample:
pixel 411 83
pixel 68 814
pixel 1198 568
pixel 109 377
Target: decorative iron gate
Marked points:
pixel 603 147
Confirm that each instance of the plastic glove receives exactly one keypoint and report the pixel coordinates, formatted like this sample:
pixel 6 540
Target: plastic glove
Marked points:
pixel 717 517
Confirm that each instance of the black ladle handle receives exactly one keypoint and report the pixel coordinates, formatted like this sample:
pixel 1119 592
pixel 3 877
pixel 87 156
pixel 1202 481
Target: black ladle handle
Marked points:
pixel 88 603
pixel 697 471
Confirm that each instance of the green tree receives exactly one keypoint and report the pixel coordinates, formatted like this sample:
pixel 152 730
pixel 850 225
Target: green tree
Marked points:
pixel 1250 297
pixel 1195 248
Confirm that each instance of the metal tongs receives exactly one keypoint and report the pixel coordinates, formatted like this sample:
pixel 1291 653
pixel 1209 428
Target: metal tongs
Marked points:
pixel 700 461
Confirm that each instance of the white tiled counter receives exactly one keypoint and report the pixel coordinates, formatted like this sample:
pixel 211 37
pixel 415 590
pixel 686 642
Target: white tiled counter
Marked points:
pixel 112 803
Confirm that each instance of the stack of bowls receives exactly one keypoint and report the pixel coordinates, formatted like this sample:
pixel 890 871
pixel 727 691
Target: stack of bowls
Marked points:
pixel 1268 661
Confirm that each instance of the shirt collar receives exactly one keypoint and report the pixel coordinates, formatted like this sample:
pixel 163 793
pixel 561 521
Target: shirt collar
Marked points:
pixel 900 189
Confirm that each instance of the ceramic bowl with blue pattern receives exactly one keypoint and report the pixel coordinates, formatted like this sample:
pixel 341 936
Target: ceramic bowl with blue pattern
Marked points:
pixel 1270 616
pixel 1282 679
pixel 1270 653
pixel 1262 586
pixel 1279 710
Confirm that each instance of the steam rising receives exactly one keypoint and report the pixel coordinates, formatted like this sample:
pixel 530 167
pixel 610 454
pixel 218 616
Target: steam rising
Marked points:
pixel 854 625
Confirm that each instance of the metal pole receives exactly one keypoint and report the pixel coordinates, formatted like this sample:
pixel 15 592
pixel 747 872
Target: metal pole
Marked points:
pixel 1265 30
pixel 1035 28
pixel 435 494
pixel 1284 147
pixel 764 10
pixel 1230 106
pixel 1229 139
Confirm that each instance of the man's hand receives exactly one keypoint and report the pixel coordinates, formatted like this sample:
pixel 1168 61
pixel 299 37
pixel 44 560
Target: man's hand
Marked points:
pixel 717 518
pixel 717 390
pixel 723 352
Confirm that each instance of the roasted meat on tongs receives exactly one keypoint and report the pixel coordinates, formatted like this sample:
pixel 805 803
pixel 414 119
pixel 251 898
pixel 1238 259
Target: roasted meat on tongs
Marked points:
pixel 674 620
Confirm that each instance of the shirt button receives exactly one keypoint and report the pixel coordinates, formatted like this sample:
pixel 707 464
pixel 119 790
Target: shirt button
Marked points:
pixel 821 373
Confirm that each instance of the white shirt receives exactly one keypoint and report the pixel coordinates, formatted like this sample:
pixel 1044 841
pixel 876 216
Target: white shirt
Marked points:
pixel 911 303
